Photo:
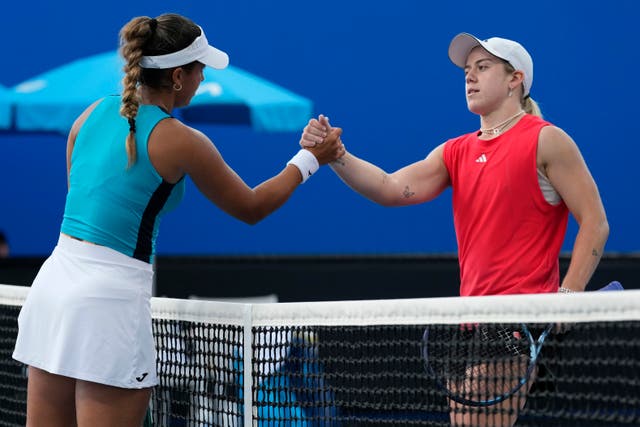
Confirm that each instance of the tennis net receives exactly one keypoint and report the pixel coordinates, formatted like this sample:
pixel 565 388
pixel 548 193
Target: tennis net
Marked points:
pixel 422 362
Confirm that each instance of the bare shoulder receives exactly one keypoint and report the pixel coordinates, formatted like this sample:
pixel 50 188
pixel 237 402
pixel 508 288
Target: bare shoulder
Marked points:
pixel 173 131
pixel 438 151
pixel 555 143
pixel 172 140
pixel 552 131
pixel 553 135
pixel 174 148
pixel 435 159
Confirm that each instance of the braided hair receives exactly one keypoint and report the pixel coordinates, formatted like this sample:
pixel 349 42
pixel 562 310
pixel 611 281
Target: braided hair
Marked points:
pixel 142 36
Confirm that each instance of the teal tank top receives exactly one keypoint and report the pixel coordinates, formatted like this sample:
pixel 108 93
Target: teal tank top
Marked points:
pixel 108 203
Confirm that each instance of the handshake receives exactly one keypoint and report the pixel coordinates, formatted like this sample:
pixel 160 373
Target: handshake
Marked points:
pixel 320 144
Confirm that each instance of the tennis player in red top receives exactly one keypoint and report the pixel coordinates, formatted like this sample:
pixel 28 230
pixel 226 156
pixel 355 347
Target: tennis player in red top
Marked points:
pixel 514 182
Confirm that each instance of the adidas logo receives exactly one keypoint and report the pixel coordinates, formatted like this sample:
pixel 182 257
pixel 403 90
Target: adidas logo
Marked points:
pixel 482 159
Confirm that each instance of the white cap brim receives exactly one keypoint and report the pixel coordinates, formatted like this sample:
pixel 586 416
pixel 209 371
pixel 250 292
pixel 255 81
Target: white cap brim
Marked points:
pixel 461 46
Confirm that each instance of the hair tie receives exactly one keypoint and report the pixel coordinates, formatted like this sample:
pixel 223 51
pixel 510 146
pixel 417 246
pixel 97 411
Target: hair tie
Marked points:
pixel 132 125
pixel 153 24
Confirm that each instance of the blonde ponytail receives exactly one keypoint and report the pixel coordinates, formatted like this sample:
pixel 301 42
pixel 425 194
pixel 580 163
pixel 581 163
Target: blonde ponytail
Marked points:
pixel 531 107
pixel 528 104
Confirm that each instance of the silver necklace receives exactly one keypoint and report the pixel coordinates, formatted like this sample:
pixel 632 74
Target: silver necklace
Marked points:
pixel 497 130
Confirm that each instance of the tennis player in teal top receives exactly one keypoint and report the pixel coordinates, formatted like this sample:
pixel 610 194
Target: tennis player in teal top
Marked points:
pixel 85 328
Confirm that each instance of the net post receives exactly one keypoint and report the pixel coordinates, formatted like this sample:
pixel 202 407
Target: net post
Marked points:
pixel 247 361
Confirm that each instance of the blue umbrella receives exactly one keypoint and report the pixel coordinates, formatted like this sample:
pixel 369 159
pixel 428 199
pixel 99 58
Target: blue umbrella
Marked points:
pixel 5 108
pixel 52 101
pixel 235 96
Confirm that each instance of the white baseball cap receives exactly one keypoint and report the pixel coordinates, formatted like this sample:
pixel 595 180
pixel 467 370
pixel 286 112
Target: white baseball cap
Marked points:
pixel 512 52
pixel 198 50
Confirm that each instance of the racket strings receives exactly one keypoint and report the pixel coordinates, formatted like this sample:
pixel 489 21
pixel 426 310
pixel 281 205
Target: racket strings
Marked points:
pixel 479 363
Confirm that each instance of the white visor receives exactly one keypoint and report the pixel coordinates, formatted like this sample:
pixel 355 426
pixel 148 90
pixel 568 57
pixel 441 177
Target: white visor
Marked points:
pixel 199 50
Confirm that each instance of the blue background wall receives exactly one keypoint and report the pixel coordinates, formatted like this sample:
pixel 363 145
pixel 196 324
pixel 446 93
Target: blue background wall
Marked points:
pixel 379 70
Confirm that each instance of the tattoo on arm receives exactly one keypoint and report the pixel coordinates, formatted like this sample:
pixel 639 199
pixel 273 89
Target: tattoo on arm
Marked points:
pixel 595 252
pixel 407 192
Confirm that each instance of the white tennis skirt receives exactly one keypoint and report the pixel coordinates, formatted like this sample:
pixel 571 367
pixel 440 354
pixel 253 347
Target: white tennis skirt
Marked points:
pixel 88 316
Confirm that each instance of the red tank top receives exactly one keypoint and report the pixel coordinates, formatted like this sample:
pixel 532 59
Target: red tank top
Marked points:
pixel 509 236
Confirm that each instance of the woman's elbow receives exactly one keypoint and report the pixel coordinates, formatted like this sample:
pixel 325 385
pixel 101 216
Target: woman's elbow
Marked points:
pixel 604 229
pixel 252 216
pixel 599 228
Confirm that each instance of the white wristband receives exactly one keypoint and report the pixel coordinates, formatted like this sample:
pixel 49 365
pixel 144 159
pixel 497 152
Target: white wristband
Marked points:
pixel 306 162
pixel 563 290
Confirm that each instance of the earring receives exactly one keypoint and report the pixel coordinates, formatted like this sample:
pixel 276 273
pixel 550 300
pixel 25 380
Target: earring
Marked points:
pixel 178 87
pixel 510 91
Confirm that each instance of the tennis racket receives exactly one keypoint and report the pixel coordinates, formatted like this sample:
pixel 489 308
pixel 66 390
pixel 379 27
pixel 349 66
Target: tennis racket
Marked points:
pixel 485 364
